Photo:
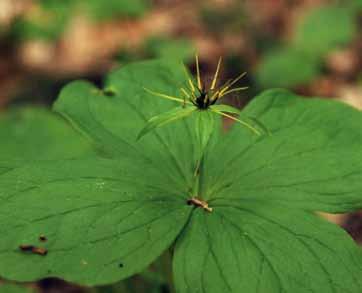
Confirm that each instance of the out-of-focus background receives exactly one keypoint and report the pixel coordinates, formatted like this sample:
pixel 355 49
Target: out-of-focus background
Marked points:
pixel 313 47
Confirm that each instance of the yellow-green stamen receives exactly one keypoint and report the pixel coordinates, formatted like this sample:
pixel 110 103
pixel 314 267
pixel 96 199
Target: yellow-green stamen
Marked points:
pixel 213 84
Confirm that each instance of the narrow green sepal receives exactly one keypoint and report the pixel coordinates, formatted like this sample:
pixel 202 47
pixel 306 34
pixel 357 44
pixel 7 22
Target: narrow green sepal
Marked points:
pixel 252 121
pixel 226 108
pixel 165 118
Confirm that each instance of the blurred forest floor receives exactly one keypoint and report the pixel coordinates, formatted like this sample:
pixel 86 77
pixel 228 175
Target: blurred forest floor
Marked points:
pixel 313 47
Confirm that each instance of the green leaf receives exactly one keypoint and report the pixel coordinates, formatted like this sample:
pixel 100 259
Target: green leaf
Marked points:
pixel 104 212
pixel 11 288
pixel 104 220
pixel 261 235
pixel 165 118
pixel 287 67
pixel 243 222
pixel 303 163
pixel 33 134
pixel 314 34
pixel 251 246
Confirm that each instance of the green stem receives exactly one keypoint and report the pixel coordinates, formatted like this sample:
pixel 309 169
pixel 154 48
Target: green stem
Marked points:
pixel 198 174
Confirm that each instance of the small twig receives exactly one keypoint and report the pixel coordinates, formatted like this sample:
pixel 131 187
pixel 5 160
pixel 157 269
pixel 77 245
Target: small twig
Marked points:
pixel 199 203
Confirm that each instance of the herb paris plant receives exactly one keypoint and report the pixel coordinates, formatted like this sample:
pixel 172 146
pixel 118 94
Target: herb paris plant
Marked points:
pixel 108 217
pixel 198 98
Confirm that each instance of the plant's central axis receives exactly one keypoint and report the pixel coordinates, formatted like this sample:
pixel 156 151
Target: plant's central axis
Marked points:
pixel 199 204
pixel 201 97
pixel 204 100
pixel 197 94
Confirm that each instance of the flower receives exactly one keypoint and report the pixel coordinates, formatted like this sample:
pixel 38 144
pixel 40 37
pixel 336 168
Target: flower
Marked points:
pixel 198 98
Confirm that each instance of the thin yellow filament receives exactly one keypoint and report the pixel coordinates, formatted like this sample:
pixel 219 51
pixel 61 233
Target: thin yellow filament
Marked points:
pixel 231 84
pixel 199 84
pixel 186 94
pixel 213 85
pixel 235 90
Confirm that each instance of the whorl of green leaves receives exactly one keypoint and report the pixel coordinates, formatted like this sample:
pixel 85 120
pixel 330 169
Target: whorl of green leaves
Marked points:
pixel 109 216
